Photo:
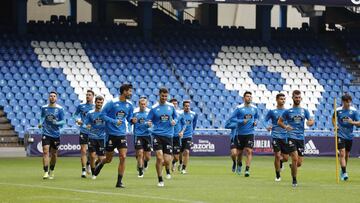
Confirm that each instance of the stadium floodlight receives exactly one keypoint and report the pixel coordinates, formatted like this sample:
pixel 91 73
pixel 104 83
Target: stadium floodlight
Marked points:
pixel 50 2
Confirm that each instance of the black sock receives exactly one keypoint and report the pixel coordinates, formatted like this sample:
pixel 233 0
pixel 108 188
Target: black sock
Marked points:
pixel 160 179
pixel 294 179
pixel 240 163
pixel 343 169
pixel 234 162
pixel 145 164
pixel 247 168
pixel 83 169
pixel 281 163
pixel 180 162
pixel 277 174
pixel 46 168
pixel 92 170
pixel 140 170
pixel 119 178
pixel 88 163
pixel 183 167
pixel 97 161
pixel 167 171
pixel 52 167
pixel 173 162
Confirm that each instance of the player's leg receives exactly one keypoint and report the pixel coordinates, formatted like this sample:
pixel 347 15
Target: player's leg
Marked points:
pixel 240 151
pixel 277 156
pixel 121 167
pixel 159 165
pixel 46 152
pixel 233 154
pixel 140 162
pixel 83 140
pixel 300 151
pixel 248 147
pixel 147 152
pixel 176 152
pixel 186 153
pixel 109 153
pixel 293 165
pixel 92 162
pixel 277 166
pixel 167 151
pixel 249 156
pixel 53 153
pixel 157 143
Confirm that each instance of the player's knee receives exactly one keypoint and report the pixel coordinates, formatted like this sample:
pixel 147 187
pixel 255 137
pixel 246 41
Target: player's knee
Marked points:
pixel 285 158
pixel 122 157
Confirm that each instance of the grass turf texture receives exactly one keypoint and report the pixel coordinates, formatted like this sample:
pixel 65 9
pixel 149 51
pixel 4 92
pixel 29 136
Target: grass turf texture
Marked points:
pixel 209 179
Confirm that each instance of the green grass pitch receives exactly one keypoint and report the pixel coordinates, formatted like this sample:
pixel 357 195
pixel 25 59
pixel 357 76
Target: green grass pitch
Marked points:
pixel 209 179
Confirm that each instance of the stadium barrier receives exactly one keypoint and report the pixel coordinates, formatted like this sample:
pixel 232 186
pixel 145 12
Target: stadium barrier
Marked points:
pixel 203 145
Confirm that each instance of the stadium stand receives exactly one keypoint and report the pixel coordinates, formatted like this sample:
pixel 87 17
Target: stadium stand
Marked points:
pixel 210 66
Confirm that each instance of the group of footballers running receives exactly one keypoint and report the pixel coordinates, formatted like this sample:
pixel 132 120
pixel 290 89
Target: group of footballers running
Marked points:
pixel 163 128
pixel 287 132
pixel 168 131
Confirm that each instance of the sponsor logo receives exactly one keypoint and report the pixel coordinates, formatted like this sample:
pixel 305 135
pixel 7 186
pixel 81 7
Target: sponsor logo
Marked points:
pixel 62 147
pixel 310 148
pixel 262 144
pixel 203 146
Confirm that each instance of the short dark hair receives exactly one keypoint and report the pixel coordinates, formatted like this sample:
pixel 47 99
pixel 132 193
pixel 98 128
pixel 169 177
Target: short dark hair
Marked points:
pixel 280 95
pixel 173 100
pixel 186 102
pixel 92 92
pixel 163 90
pixel 346 97
pixel 125 87
pixel 296 92
pixel 247 92
pixel 53 92
pixel 99 97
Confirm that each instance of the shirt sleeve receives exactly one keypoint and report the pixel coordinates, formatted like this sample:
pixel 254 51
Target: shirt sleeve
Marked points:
pixel 42 116
pixel 87 119
pixel 285 115
pixel 234 116
pixel 175 115
pixel 106 110
pixel 256 116
pixel 307 115
pixel 195 121
pixel 130 115
pixel 268 116
pixel 150 116
pixel 61 120
pixel 77 112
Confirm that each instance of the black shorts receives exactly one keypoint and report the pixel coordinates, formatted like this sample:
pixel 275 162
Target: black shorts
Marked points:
pixel 186 143
pixel 143 142
pixel 118 142
pixel 296 145
pixel 245 141
pixel 176 145
pixel 279 145
pixel 234 143
pixel 344 143
pixel 96 145
pixel 83 139
pixel 52 141
pixel 163 143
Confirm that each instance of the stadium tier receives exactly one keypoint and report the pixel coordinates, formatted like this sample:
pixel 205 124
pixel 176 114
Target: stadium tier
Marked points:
pixel 212 67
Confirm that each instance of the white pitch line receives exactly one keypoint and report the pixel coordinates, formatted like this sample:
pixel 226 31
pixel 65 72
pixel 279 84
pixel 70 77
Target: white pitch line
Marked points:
pixel 99 192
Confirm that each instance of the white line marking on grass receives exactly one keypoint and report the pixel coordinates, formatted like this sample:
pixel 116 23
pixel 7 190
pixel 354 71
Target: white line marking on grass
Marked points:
pixel 100 193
